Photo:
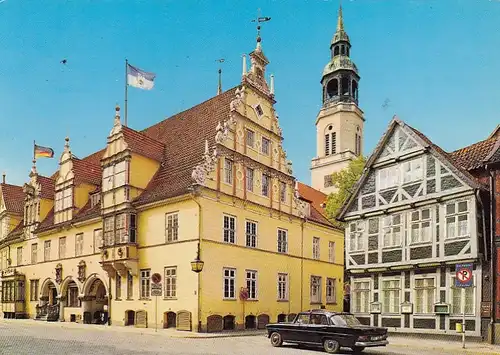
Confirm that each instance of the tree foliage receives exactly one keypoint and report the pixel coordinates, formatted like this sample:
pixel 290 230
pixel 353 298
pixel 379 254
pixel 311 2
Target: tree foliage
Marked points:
pixel 344 182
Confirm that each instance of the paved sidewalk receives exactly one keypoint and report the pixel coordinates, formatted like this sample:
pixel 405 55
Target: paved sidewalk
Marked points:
pixel 451 346
pixel 172 333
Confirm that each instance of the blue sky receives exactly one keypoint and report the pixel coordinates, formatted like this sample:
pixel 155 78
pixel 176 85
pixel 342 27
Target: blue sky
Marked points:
pixel 434 62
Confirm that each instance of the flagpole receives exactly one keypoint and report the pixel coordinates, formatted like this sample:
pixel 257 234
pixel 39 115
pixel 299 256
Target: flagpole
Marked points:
pixel 34 145
pixel 126 91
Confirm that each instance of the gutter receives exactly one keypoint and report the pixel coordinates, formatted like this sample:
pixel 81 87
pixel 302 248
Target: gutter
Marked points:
pixel 302 222
pixel 483 219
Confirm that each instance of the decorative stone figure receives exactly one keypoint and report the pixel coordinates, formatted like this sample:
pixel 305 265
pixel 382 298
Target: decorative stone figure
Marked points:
pixel 81 271
pixel 58 273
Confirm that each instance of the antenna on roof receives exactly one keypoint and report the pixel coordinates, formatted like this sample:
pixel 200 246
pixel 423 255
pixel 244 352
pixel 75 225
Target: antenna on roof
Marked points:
pixel 219 87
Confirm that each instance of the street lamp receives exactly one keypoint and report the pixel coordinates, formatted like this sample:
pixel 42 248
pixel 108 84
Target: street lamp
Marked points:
pixel 197 264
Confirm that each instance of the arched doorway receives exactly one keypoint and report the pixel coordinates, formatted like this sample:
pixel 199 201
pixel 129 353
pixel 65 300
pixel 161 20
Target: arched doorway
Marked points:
pixel 169 320
pixel 95 301
pixel 48 308
pixel 250 322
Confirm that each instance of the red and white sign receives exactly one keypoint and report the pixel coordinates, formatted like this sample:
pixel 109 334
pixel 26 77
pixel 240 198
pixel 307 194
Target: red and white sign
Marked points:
pixel 156 278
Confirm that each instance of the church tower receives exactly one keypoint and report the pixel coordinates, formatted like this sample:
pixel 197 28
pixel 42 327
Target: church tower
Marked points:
pixel 339 124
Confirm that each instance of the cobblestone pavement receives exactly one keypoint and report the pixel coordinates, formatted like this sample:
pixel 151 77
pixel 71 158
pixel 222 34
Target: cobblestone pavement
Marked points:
pixel 35 338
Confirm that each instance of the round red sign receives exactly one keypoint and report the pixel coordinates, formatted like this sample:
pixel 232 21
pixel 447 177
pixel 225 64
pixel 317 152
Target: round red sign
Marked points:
pixel 156 278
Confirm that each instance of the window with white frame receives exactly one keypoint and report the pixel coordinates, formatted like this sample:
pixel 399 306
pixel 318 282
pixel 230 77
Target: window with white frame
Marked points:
pixel 109 237
pixel 361 296
pixel 282 191
pixel 114 176
pixel 251 234
pixel 315 289
pixel 172 226
pixel 79 244
pixel 331 252
pixel 282 287
pixel 356 236
pixel 97 239
pixel 145 283
pixel 249 178
pixel 266 143
pixel 250 138
pixel 425 291
pixel 171 282
pixel 229 281
pixel 282 241
pixel 34 253
pixel 459 298
pixel 130 286
pixel 62 247
pixel 63 199
pixel 388 177
pixel 120 228
pixel 251 282
pixel 228 171
pixel 412 170
pixel 265 184
pixel 457 220
pixel 19 256
pixel 391 295
pixel 229 229
pixel 392 228
pixel 118 287
pixel 331 290
pixel 421 226
pixel 46 250
pixel 315 248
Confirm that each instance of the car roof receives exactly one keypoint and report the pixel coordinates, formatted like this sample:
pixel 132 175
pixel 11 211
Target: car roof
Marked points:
pixel 325 311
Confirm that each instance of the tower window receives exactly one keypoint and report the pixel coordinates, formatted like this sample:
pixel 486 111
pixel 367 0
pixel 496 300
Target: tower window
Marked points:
pixel 342 50
pixel 332 88
pixel 327 144
pixel 347 51
pixel 334 142
pixel 358 143
pixel 354 89
pixel 345 86
pixel 336 51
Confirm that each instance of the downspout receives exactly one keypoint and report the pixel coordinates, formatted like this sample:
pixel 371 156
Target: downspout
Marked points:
pixel 302 222
pixel 483 220
pixel 193 195
pixel 493 255
pixel 110 299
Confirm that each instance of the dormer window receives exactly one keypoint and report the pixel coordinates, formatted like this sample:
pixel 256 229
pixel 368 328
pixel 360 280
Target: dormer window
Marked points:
pixel 64 199
pixel 259 111
pixel 31 211
pixel 114 176
pixel 95 199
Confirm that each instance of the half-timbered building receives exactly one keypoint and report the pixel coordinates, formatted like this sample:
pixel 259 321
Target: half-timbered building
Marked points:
pixel 414 214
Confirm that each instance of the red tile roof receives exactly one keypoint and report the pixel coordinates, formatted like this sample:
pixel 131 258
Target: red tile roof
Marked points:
pixel 13 197
pixel 48 187
pixel 474 155
pixel 316 199
pixel 183 136
pixel 87 172
pixel 142 144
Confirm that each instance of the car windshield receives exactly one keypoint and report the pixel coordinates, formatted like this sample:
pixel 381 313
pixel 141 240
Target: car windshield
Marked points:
pixel 345 320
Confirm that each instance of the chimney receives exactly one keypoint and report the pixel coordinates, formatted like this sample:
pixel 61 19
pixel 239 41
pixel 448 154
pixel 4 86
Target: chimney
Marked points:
pixel 3 178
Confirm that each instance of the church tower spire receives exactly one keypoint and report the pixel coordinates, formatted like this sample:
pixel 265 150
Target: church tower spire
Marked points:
pixel 339 124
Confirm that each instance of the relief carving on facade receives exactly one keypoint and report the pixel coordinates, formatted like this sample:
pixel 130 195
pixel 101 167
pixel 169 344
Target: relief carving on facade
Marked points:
pixel 207 165
pixel 59 273
pixel 82 271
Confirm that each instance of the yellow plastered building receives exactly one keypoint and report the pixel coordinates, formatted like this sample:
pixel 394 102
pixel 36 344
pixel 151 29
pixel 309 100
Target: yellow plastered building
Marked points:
pixel 194 223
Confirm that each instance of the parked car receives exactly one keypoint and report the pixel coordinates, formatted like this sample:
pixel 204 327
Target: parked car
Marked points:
pixel 329 330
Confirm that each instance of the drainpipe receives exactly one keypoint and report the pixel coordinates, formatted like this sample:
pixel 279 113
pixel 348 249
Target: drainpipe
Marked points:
pixel 193 195
pixel 110 300
pixel 483 220
pixel 493 256
pixel 302 222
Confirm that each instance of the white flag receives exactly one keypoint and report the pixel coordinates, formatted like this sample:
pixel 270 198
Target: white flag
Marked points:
pixel 139 78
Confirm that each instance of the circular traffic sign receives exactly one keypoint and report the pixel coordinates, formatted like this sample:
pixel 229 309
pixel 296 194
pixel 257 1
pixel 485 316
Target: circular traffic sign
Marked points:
pixel 156 278
pixel 464 275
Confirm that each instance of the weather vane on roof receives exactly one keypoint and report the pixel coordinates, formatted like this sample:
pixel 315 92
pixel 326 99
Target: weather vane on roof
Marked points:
pixel 219 86
pixel 258 21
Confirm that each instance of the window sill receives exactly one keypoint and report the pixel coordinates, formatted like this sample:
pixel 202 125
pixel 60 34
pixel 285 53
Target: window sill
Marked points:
pixel 392 247
pixel 170 298
pixel 283 301
pixel 144 299
pixel 418 244
pixel 334 303
pixel 252 300
pixel 118 299
pixel 315 303
pixel 455 239
pixel 129 299
pixel 356 252
pixel 229 299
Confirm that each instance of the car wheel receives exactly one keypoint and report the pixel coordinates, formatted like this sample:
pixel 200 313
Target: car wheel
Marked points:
pixel 331 346
pixel 276 339
pixel 358 349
